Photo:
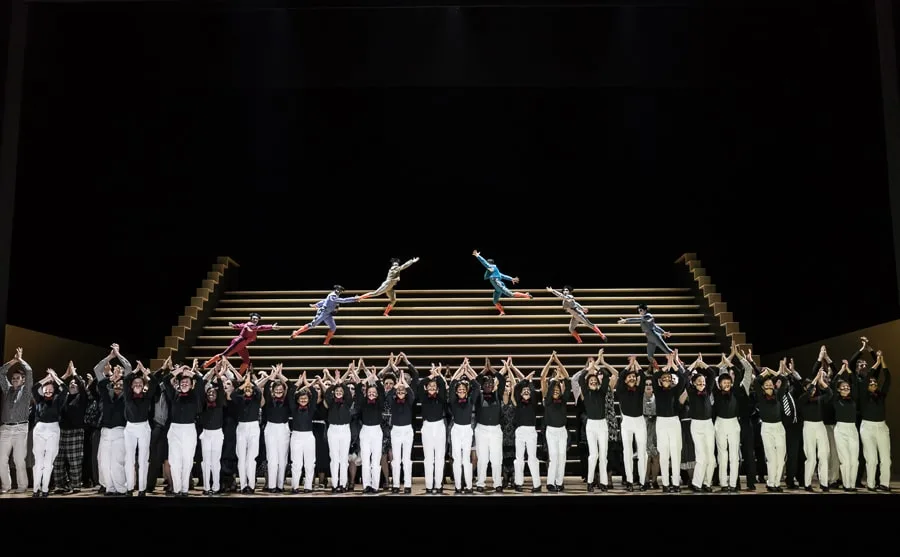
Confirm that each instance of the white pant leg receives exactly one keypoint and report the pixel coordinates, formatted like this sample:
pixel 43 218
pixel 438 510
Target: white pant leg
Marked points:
pixel 883 442
pixel 461 443
pixel 247 444
pixel 598 443
pixel 370 441
pixel 493 448
pixel 308 450
pixel 14 441
pixel 815 447
pixel 668 442
pixel 339 451
pixel 876 442
pixel 211 441
pixel 284 445
pixel 401 445
pixel 45 447
pixel 482 449
pixel 137 439
pixel 704 437
pixel 728 439
pixel 117 460
pixel 526 444
pixel 277 441
pixel 634 428
pixel 182 445
pixel 103 455
pixel 557 441
pixel 834 463
pixel 774 445
pixel 434 442
pixel 846 437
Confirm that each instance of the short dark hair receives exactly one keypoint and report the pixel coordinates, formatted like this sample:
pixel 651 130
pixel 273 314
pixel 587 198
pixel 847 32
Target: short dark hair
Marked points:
pixel 643 307
pixel 394 260
pixel 569 288
pixel 338 288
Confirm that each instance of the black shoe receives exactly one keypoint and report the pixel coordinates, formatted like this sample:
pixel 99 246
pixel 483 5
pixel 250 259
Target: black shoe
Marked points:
pixel 407 490
pixel 590 488
pixel 629 487
pixel 694 488
pixel 751 487
pixel 36 495
pixel 479 489
pixel 884 488
pixel 498 489
pixel 552 488
pixel 395 490
pixel 341 489
pixel 457 491
pixel 603 487
pixel 825 489
pixel 73 491
pixel 427 491
pixel 44 495
pixel 272 490
pixel 561 488
pixel 536 489
pixel 307 490
pixel 645 487
pixel 808 488
pixel 142 493
pixel 61 491
pixel 778 489
pixel 724 489
pixel 205 492
pixel 279 490
pixel 101 491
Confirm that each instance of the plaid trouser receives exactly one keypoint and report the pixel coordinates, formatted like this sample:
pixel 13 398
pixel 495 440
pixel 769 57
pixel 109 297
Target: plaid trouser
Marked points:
pixel 67 466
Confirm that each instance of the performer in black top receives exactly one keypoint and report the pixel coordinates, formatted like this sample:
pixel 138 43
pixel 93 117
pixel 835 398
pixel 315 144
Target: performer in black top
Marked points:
pixel 769 403
pixel 846 436
pixel 402 399
pixel 338 405
pixel 433 396
pixel 488 435
pixel 556 394
pixel 630 393
pixel 212 420
pixel 246 401
pixel 525 422
pixel 464 394
pixel 726 392
pixel 185 393
pixel 666 393
pixel 49 400
pixel 594 385
pixel 140 389
pixel 874 432
pixel 810 403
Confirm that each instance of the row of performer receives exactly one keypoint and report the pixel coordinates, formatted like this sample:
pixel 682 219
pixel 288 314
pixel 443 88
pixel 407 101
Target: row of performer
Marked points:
pixel 359 411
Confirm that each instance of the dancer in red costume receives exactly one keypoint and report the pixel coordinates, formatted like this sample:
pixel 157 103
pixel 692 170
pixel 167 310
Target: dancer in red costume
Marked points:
pixel 245 338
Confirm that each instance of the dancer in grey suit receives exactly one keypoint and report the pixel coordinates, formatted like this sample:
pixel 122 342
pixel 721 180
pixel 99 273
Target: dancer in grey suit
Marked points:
pixel 655 333
pixel 387 287
pixel 576 310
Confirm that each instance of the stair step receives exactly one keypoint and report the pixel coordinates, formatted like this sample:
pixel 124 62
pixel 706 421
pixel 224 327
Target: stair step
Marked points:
pixel 566 335
pixel 448 357
pixel 324 293
pixel 383 299
pixel 560 317
pixel 357 308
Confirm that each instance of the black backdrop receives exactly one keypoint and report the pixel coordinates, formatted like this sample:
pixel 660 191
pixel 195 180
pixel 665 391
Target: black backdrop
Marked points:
pixel 590 145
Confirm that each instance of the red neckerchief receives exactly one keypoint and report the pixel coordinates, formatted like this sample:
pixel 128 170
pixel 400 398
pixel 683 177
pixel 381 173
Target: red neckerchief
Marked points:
pixel 432 396
pixel 400 400
pixel 557 400
pixel 210 404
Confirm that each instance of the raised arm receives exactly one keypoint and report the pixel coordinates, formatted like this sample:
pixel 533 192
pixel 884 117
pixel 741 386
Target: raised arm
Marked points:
pixel 544 373
pixel 407 264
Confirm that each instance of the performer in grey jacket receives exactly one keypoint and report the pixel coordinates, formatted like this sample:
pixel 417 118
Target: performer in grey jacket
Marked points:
pixel 576 310
pixel 387 287
pixel 655 333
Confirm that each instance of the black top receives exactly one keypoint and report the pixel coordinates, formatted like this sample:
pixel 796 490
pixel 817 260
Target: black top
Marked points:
pixel 338 409
pixel 212 414
pixel 594 401
pixel 488 405
pixel 74 408
pixel 770 407
pixel 461 409
pixel 725 403
pixel 667 397
pixel 699 403
pixel 184 407
pixel 873 404
pixel 138 407
pixel 631 400
pixel 246 408
pixel 526 411
pixel 845 408
pixel 112 407
pixel 433 407
pixel 555 409
pixel 811 403
pixel 276 410
pixel 369 410
pixel 401 408
pixel 301 416
pixel 48 410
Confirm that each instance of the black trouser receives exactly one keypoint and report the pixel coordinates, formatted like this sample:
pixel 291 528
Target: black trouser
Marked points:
pixel 89 472
pixel 159 445
pixel 793 434
pixel 748 449
pixel 229 455
pixel 761 469
pixel 95 449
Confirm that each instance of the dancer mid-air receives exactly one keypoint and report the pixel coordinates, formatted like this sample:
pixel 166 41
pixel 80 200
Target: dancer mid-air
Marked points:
pixel 655 333
pixel 494 275
pixel 326 308
pixel 576 310
pixel 387 287
pixel 239 344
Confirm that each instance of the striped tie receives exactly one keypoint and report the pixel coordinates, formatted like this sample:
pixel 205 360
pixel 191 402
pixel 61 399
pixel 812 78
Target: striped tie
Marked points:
pixel 787 407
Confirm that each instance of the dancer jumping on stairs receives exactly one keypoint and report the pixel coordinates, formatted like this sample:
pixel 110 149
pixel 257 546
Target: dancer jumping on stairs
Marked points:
pixel 326 307
pixel 576 310
pixel 494 275
pixel 655 333
pixel 387 287
pixel 245 338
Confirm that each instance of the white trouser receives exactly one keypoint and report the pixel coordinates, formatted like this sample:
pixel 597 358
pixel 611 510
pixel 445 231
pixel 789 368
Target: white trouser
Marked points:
pixel 339 453
pixel 434 442
pixel 668 442
pixel 876 442
pixel 815 446
pixel 834 463
pixel 14 441
pixel 634 429
pixel 211 448
pixel 247 448
pixel 774 444
pixel 846 437
pixel 370 442
pixel 728 446
pixel 401 447
pixel 137 440
pixel 303 457
pixel 111 459
pixel 557 442
pixel 704 436
pixel 278 442
pixel 526 442
pixel 489 449
pixel 182 445
pixel 461 451
pixel 44 447
pixel 598 447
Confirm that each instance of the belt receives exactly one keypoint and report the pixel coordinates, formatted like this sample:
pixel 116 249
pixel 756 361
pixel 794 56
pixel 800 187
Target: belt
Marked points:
pixel 15 423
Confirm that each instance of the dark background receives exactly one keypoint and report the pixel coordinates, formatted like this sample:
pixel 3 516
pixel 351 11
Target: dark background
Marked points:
pixel 588 145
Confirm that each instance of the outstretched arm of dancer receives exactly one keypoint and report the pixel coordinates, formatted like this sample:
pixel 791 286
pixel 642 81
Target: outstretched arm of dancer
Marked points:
pixel 544 372
pixel 408 263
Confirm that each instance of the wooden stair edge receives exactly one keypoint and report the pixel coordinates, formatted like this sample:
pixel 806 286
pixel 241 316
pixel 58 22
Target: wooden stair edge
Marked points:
pixel 210 282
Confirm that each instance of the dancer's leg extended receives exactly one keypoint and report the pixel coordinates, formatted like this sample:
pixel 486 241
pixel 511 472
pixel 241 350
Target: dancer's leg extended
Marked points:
pixel 317 320
pixel 579 317
pixel 654 342
pixel 385 287
pixel 235 346
pixel 501 290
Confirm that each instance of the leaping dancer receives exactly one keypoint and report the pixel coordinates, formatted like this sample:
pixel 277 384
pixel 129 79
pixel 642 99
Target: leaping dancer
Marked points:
pixel 494 275
pixel 576 310
pixel 327 307
pixel 387 287
pixel 655 333
pixel 239 344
